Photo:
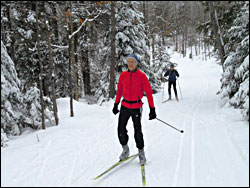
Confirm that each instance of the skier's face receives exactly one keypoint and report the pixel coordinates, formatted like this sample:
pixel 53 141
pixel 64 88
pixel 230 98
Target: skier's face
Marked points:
pixel 171 68
pixel 131 64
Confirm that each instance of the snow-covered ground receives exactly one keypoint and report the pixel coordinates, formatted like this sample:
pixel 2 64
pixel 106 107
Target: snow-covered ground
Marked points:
pixel 213 151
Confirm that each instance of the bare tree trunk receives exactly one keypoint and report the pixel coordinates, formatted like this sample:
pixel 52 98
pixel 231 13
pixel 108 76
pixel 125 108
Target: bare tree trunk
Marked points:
pixel 11 48
pixel 176 42
pixel 70 62
pixel 112 66
pixel 55 22
pixel 59 23
pixel 176 29
pixel 199 44
pixel 77 62
pixel 52 75
pixel 146 20
pixel 202 49
pixel 217 32
pixel 153 46
pixel 204 38
pixel 87 71
pixel 41 68
pixel 183 46
pixel 205 50
pixel 191 43
pixel 186 40
pixel 74 62
pixel 85 68
pixel 82 73
pixel 195 45
pixel 208 51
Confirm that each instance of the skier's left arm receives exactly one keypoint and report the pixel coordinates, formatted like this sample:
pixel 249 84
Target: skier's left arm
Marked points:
pixel 177 74
pixel 148 90
pixel 149 93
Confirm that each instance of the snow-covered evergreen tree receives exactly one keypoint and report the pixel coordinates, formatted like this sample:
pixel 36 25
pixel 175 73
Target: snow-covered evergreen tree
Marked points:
pixel 11 97
pixel 162 62
pixel 19 108
pixel 130 36
pixel 19 21
pixel 235 79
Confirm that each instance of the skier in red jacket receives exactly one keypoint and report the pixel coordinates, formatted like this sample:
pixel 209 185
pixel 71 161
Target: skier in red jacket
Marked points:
pixel 131 85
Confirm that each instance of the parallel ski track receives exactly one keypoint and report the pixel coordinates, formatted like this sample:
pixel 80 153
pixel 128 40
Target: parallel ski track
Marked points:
pixel 193 110
pixel 45 158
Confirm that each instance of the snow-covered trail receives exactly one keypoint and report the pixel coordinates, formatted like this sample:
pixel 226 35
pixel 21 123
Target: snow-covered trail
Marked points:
pixel 213 151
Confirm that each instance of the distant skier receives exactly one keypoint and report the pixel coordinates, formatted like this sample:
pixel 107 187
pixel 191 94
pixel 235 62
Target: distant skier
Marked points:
pixel 131 85
pixel 172 73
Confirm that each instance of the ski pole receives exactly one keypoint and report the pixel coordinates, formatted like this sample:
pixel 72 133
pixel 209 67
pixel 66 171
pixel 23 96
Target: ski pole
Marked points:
pixel 163 92
pixel 180 89
pixel 170 125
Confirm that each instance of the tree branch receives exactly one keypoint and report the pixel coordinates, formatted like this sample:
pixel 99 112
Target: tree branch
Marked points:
pixel 83 23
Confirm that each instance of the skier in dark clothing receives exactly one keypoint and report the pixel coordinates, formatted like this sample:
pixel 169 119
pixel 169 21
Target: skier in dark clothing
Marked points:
pixel 131 85
pixel 172 73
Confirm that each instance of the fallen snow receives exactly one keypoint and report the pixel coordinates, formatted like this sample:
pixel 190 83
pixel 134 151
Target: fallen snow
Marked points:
pixel 213 151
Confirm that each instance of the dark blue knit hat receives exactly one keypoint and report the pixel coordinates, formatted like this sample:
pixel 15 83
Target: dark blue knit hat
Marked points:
pixel 172 65
pixel 135 57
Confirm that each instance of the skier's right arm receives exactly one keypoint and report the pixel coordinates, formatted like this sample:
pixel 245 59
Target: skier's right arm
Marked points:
pixel 119 90
pixel 118 95
pixel 166 74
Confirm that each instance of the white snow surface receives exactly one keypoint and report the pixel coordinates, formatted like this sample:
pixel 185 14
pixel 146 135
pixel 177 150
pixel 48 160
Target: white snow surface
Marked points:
pixel 213 151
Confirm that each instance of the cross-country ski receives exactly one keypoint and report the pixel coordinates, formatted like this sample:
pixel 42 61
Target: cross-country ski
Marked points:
pixel 115 165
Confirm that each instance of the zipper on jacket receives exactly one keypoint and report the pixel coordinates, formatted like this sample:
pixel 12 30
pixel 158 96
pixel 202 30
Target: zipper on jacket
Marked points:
pixel 130 87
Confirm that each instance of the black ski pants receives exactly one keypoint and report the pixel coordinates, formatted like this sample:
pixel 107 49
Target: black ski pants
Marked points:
pixel 124 116
pixel 170 83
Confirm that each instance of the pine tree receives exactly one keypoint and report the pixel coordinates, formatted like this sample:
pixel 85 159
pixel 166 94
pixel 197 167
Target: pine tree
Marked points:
pixel 20 107
pixel 235 79
pixel 130 36
pixel 161 63
pixel 11 96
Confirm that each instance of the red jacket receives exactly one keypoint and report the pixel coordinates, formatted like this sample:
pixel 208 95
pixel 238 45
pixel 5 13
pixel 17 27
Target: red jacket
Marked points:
pixel 131 86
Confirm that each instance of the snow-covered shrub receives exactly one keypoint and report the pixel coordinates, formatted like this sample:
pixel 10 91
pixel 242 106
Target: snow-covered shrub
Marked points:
pixel 33 116
pixel 4 138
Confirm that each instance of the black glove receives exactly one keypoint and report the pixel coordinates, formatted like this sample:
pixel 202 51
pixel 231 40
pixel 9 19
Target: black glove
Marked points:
pixel 115 109
pixel 152 114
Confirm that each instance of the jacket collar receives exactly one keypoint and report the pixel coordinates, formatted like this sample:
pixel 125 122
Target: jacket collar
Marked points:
pixel 132 71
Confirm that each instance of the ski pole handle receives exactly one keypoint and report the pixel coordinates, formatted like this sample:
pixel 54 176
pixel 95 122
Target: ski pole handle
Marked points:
pixel 170 125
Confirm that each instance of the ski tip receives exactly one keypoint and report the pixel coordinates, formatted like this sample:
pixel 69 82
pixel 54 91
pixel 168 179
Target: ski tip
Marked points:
pixel 182 131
